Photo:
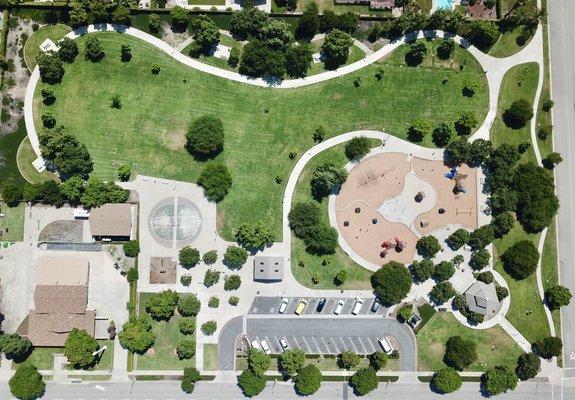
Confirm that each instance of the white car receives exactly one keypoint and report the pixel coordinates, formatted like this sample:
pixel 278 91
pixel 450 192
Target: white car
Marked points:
pixel 256 345
pixel 284 344
pixel 384 343
pixel 266 347
pixel 338 306
pixel 283 305
pixel 357 306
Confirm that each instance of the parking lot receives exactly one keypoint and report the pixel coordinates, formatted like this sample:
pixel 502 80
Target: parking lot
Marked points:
pixel 270 305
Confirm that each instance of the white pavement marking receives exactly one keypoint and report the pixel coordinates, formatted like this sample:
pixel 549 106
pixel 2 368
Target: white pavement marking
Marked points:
pixel 306 345
pixel 316 345
pixel 353 345
pixel 371 344
pixel 361 342
pixel 343 343
pixel 328 350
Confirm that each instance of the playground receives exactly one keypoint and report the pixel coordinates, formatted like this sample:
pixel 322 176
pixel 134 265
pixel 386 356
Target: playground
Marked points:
pixel 392 199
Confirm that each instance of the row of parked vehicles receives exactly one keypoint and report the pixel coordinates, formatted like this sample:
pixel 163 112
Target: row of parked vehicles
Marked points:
pixel 300 308
pixel 264 346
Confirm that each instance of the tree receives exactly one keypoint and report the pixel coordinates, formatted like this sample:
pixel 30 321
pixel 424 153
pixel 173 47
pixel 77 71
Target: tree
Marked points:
pixel 416 53
pixel 187 325
pixel 234 58
pixel 251 383
pixel 179 17
pixel 446 380
pixel 520 260
pixel 357 148
pixel 465 123
pixel 255 235
pixel 162 305
pixel 125 53
pixel 131 248
pixel 483 34
pixel 502 224
pixel 303 216
pixel 235 256
pixel 442 292
pixel 258 361
pixel 66 154
pixel 80 348
pixel 308 380
pixel 124 172
pixel 189 257
pixel 459 353
pixel 78 15
pixel 458 152
pixel 207 33
pixel 48 96
pixel 557 297
pixel 298 60
pixel 68 50
pixel 391 282
pixel 214 302
pixel 186 349
pixel 498 380
pixel 276 34
pixel 191 376
pixel 291 361
pixel 428 246
pixel 502 292
pixel 208 328
pixel 459 303
pixel 528 366
pixel 458 239
pixel 470 88
pixel 548 347
pixel 27 383
pixel 422 270
pixel 97 193
pixel 325 178
pixel 93 50
pixel 378 360
pixel 443 271
pixel 248 21
pixel 210 257
pixel 405 312
pixel 189 305
pixel 51 67
pixel 517 115
pixel 216 181
pixel 155 22
pixel 481 237
pixel 552 160
pixel 155 69
pixel 441 135
pixel 259 60
pixel 308 22
pixel 364 381
pixel 445 49
pixel 232 282
pixel 11 194
pixel 321 240
pixel 48 119
pixel 479 259
pixel 121 15
pixel 349 359
pixel 15 347
pixel 137 335
pixel 205 137
pixel 335 48
pixel 340 277
pixel 480 150
pixel 418 130
pixel 211 277
pixel 485 277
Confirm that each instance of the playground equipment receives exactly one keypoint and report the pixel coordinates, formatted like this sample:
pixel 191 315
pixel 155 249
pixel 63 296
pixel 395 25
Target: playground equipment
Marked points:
pixel 458 178
pixel 399 245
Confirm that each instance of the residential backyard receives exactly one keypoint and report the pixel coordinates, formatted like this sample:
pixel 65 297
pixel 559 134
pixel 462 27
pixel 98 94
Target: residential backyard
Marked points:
pixel 279 121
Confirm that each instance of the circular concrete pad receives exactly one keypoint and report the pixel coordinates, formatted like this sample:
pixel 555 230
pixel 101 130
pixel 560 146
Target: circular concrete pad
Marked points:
pixel 175 222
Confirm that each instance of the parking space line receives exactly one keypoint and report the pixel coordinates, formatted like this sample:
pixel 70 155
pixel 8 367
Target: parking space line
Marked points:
pixel 343 343
pixel 328 350
pixel 306 345
pixel 316 345
pixel 361 342
pixel 353 345
pixel 297 343
pixel 373 348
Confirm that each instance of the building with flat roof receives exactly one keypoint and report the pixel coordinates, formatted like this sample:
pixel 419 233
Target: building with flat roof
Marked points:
pixel 111 221
pixel 482 298
pixel 268 268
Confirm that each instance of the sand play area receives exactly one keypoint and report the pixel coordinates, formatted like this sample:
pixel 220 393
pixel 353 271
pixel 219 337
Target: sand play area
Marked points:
pixel 391 199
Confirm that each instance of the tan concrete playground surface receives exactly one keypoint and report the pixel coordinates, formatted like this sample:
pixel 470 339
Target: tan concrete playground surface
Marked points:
pixel 365 197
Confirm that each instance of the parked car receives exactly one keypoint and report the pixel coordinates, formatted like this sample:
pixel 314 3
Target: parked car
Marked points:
pixel 284 344
pixel 283 305
pixel 375 306
pixel 256 345
pixel 414 321
pixel 338 306
pixel 321 304
pixel 266 347
pixel 384 343
pixel 300 307
pixel 357 306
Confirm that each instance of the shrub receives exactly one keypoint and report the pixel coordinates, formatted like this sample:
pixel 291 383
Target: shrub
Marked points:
pixel 211 277
pixel 442 292
pixel 364 381
pixel 68 50
pixel 125 53
pixel 187 325
pixel 520 260
pixel 208 328
pixel 189 305
pixel 205 137
pixel 441 135
pixel 93 50
pixel 210 257
pixel 131 248
pixel 124 172
pixel 422 270
pixel 357 148
pixel 391 282
pixel 459 353
pixel 485 277
pixel 479 259
pixel 80 348
pixel 446 380
pixel 544 132
pixel 502 292
pixel 404 313
pixel 162 305
pixel 528 366
pixel 340 277
pixel 186 349
pixel 255 235
pixel 418 130
pixel 552 160
pixel 232 282
pixel 155 22
pixel 216 181
pixel 349 359
pixel 234 57
pixel 517 115
pixel 48 96
pixel 321 240
pixel 378 360
pixel 234 300
pixel 319 134
pixel 15 347
pixel 189 257
pixel 48 119
pixel 443 271
pixel 235 256
pixel 465 123
pixel 251 383
pixel 191 376
pixel 214 302
pixel 481 237
pixel 155 69
pixel 308 380
pixel 548 347
pixel 27 383
pixel 469 89
pixel 498 380
pixel 557 297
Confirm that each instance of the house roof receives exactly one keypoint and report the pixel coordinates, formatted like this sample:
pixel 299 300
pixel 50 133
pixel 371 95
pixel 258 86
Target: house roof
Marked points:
pixel 62 271
pixel 111 220
pixel 71 299
pixel 482 298
pixel 162 270
pixel 51 330
pixel 268 268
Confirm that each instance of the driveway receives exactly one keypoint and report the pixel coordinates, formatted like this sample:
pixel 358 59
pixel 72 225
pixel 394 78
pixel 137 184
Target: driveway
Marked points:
pixel 227 343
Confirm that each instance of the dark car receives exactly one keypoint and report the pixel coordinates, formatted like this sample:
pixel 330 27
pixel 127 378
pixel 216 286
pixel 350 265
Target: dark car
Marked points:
pixel 375 306
pixel 321 304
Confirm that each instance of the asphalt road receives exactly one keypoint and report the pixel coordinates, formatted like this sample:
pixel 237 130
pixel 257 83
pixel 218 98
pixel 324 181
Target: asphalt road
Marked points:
pixel 169 390
pixel 358 334
pixel 270 305
pixel 562 42
pixel 227 340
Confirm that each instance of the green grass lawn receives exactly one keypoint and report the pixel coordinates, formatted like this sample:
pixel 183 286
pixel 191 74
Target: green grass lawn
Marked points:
pixel 355 54
pixel 207 2
pixel 32 49
pixel 549 270
pixel 162 355
pixel 339 8
pixel 325 267
pixel 218 62
pixel 148 132
pixel 324 364
pixel 507 44
pixel 210 357
pixel 41 357
pixel 8 153
pixel 106 361
pixel 494 345
pixel 12 223
pixel 25 158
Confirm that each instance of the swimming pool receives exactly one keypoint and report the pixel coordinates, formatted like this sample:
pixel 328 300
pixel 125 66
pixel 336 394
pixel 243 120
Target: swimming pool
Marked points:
pixel 444 4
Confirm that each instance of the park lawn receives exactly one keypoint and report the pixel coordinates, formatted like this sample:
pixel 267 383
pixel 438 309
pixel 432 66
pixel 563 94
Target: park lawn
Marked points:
pixel 549 269
pixel 162 355
pixel 355 54
pixel 25 158
pixel 12 223
pixel 207 2
pixel 41 357
pixel 507 44
pixel 148 132
pixel 210 356
pixel 325 267
pixel 519 82
pixel 8 153
pixel 526 312
pixel 338 8
pixel 215 61
pixel 32 49
pixel 494 345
